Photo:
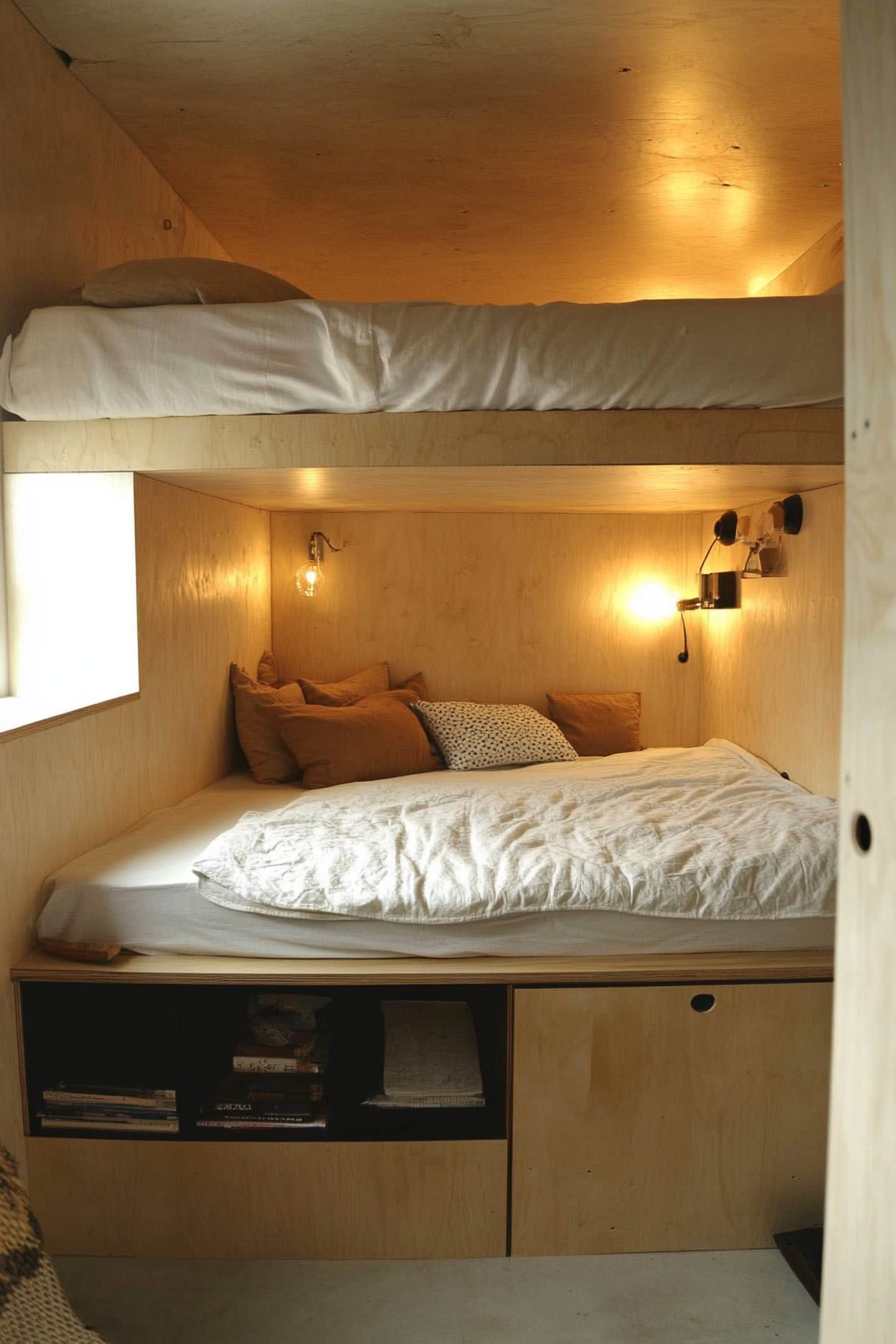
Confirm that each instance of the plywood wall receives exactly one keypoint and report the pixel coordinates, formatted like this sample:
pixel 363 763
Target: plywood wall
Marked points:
pixel 77 192
pixel 203 601
pixel 772 670
pixel 495 606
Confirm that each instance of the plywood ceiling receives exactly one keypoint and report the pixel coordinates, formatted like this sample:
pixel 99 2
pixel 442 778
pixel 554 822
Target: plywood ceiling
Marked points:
pixel 505 151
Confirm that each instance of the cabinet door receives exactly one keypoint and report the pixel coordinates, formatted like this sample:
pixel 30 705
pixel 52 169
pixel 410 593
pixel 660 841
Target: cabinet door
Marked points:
pixel 668 1118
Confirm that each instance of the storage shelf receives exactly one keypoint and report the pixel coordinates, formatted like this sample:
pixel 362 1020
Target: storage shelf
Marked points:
pixel 183 1037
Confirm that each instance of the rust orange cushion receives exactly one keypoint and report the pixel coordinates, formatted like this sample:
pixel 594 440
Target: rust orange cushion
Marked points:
pixel 268 670
pixel 415 683
pixel 268 758
pixel 378 737
pixel 347 692
pixel 598 725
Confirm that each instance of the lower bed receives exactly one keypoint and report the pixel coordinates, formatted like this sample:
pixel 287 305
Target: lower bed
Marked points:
pixel 139 891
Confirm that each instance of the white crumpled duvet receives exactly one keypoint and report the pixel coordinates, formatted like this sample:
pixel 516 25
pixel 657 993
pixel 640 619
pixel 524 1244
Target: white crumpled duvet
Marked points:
pixel 697 832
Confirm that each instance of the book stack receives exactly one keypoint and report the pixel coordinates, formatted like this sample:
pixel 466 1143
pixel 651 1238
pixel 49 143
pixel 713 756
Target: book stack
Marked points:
pixel 279 1065
pixel 111 1107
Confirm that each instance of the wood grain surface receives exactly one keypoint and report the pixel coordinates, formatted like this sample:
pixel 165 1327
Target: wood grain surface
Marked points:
pixel 308 1201
pixel 77 193
pixel 802 436
pixel 203 600
pixel 512 154
pixel 772 670
pixel 641 1124
pixel 859 1289
pixel 647 968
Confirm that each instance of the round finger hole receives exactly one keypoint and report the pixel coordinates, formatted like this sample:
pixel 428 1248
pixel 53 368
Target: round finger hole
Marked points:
pixel 861 830
pixel 702 1003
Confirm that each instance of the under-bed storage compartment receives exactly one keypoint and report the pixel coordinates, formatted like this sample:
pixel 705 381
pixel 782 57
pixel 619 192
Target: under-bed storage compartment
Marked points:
pixel 373 1184
pixel 677 1117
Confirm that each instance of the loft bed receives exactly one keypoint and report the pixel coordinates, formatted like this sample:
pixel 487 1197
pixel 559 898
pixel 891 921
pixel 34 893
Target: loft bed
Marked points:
pixel 610 1063
pixel 652 406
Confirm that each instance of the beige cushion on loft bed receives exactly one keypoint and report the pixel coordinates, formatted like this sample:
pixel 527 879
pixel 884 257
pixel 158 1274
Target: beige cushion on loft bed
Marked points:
pixel 167 280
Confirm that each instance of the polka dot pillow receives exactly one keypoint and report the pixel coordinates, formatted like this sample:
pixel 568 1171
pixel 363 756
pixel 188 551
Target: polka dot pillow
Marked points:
pixel 472 736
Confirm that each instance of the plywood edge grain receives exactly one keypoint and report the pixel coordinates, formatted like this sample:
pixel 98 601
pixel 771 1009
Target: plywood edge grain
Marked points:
pixel 817 269
pixel 429 439
pixel 649 968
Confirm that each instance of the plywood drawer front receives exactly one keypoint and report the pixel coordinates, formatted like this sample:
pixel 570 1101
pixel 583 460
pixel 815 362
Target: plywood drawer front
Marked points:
pixel 640 1124
pixel 270 1200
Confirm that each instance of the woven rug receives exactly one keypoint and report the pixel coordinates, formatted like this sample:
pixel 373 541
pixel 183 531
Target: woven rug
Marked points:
pixel 33 1307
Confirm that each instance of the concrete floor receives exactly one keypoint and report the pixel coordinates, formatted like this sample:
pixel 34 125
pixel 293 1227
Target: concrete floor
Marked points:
pixel 734 1297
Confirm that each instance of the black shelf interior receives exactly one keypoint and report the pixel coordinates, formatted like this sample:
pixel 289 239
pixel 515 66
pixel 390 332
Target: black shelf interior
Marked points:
pixel 182 1037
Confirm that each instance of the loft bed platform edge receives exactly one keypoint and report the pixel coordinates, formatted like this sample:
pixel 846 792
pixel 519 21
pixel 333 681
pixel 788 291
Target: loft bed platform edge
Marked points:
pixel 649 968
pixel 737 437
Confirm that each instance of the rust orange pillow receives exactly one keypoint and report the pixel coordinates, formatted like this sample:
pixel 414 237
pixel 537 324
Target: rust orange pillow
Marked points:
pixel 598 725
pixel 269 671
pixel 347 692
pixel 379 737
pixel 415 683
pixel 268 758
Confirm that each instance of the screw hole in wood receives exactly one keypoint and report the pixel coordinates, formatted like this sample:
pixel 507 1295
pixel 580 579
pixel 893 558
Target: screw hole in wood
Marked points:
pixel 703 1003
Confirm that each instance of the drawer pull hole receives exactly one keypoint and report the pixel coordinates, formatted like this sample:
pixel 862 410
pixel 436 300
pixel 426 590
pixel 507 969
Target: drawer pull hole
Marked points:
pixel 703 1003
pixel 861 829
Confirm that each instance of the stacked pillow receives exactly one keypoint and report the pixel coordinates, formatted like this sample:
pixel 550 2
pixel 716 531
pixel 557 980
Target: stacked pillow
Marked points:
pixel 364 728
pixel 328 733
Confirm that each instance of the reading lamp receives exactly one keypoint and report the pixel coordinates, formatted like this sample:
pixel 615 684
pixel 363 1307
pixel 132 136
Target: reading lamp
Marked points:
pixel 309 576
pixel 719 590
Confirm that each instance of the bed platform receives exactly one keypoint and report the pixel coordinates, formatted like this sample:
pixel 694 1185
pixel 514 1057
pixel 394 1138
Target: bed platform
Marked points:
pixel 635 1103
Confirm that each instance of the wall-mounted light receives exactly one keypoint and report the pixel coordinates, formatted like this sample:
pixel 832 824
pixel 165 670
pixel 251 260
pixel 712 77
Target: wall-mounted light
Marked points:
pixel 717 591
pixel 309 576
pixel 763 534
pixel 652 602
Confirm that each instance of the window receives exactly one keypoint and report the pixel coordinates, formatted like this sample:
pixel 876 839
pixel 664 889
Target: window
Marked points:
pixel 71 593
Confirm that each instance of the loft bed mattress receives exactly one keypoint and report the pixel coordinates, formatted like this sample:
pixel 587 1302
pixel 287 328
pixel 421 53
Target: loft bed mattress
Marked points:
pixel 140 891
pixel 84 363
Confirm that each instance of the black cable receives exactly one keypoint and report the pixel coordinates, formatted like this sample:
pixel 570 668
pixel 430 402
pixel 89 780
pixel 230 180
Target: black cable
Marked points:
pixel 706 556
pixel 683 656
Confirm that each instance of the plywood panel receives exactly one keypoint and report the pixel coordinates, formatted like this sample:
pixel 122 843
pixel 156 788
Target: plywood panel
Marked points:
pixel 859 1294
pixel 495 607
pixel 77 193
pixel 818 269
pixel 203 600
pixel 634 489
pixel 503 154
pixel 771 671
pixel 643 1125
pixel 468 439
pixel 310 1201
pixel 648 968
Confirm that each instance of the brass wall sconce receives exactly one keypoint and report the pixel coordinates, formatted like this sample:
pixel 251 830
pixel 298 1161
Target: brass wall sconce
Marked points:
pixel 309 576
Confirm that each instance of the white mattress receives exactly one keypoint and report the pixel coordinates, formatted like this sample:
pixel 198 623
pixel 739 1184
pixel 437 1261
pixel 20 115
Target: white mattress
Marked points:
pixel 139 890
pixel 85 363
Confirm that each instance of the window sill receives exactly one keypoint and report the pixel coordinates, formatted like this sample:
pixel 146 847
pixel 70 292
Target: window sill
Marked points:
pixel 20 716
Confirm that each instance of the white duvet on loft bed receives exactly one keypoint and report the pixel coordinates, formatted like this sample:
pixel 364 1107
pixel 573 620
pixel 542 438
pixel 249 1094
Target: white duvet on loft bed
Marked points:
pixel 139 890
pixel 84 363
